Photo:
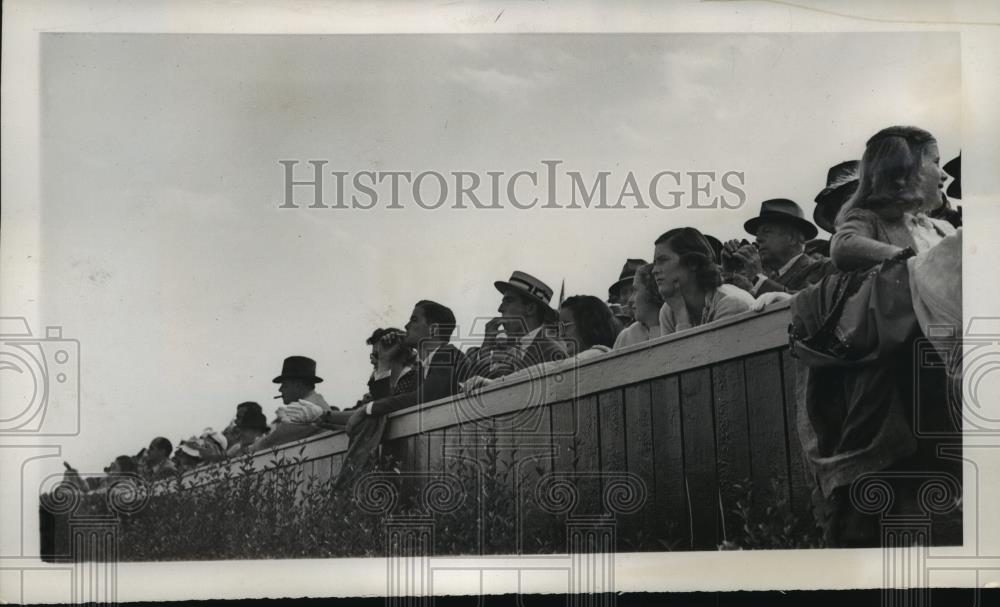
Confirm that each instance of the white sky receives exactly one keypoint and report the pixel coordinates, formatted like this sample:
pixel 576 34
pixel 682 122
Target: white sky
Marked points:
pixel 165 255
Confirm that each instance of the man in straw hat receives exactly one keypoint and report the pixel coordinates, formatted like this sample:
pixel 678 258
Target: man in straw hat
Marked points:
pixel 778 263
pixel 302 404
pixel 528 337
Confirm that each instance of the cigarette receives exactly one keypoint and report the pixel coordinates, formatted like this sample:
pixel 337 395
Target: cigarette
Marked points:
pixel 276 397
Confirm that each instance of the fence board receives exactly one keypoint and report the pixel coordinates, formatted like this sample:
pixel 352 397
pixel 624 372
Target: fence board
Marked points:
pixel 732 439
pixel 699 457
pixel 588 456
pixel 639 453
pixel 671 499
pixel 766 417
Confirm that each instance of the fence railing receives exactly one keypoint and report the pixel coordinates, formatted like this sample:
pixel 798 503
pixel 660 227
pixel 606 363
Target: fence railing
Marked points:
pixel 691 415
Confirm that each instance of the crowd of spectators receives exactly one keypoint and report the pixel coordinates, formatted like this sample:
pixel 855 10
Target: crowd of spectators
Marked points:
pixel 889 205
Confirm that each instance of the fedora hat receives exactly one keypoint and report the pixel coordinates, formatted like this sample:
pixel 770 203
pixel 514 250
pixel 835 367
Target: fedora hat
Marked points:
pixel 627 274
pixel 298 367
pixel 781 210
pixel 530 287
pixel 954 168
pixel 841 183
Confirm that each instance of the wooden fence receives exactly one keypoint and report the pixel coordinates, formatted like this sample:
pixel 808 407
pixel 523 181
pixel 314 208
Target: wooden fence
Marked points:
pixel 678 424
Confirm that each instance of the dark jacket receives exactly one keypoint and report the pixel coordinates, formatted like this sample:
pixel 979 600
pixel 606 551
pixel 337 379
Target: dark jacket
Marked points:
pixel 506 356
pixel 446 369
pixel 807 270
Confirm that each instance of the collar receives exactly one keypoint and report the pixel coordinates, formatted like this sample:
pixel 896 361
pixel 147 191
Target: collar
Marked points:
pixel 525 340
pixel 788 266
pixel 426 362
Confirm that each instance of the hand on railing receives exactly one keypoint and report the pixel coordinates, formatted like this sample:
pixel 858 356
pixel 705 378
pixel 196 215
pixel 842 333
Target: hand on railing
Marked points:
pixel 767 299
pixel 475 383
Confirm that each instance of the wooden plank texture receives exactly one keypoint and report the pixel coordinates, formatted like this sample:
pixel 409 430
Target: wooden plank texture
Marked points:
pixel 673 514
pixel 732 440
pixel 801 487
pixel 639 459
pixel 766 417
pixel 699 457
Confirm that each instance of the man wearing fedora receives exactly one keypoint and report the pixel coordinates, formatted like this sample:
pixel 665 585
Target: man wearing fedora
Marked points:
pixel 778 263
pixel 302 404
pixel 526 321
pixel 620 292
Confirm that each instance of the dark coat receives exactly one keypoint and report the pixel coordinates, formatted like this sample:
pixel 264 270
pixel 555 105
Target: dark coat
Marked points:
pixel 447 369
pixel 505 356
pixel 807 270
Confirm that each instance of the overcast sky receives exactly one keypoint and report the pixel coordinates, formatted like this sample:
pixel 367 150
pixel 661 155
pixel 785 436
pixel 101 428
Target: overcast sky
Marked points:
pixel 166 255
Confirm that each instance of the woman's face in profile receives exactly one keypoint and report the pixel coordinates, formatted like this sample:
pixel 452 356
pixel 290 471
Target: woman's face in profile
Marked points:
pixel 668 271
pixel 567 331
pixel 931 178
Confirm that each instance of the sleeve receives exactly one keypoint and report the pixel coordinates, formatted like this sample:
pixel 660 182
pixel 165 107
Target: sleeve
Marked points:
pixel 771 286
pixel 855 245
pixel 729 306
pixel 621 341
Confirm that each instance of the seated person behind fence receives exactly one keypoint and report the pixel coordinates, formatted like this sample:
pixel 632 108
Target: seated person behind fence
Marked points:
pixel 188 455
pixel 900 181
pixel 587 328
pixel 690 282
pixel 526 320
pixel 249 427
pixel 440 366
pixel 620 293
pixel 231 432
pixel 211 445
pixel 646 303
pixel 778 262
pixel 157 465
pixel 395 364
pixel 303 405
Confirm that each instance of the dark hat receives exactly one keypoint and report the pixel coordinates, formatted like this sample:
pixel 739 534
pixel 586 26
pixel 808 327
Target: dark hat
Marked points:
pixel 716 245
pixel 841 183
pixel 530 287
pixel 954 168
pixel 252 420
pixel 298 367
pixel 627 274
pixel 783 210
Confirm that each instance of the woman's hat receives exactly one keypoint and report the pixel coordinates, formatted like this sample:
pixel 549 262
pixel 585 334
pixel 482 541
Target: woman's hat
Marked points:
pixel 298 367
pixel 841 183
pixel 954 168
pixel 627 275
pixel 191 447
pixel 781 210
pixel 530 287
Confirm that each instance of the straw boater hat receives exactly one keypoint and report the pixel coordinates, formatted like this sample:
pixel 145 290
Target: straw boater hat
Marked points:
pixel 781 210
pixel 841 183
pixel 298 367
pixel 530 287
pixel 627 275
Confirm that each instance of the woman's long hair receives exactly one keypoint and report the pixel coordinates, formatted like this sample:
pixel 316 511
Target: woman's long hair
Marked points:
pixel 595 324
pixel 695 254
pixel 889 177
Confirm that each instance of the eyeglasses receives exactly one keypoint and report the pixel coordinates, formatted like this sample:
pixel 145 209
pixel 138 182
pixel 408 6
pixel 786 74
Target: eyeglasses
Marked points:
pixel 565 324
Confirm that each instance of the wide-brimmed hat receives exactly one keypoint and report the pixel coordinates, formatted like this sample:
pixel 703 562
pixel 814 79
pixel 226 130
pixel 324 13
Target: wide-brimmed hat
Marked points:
pixel 627 274
pixel 841 183
pixel 530 287
pixel 298 367
pixel 781 210
pixel 954 168
pixel 191 447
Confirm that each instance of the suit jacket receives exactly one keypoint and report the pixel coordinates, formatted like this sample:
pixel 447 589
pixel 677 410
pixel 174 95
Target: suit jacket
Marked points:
pixel 438 380
pixel 807 270
pixel 506 356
